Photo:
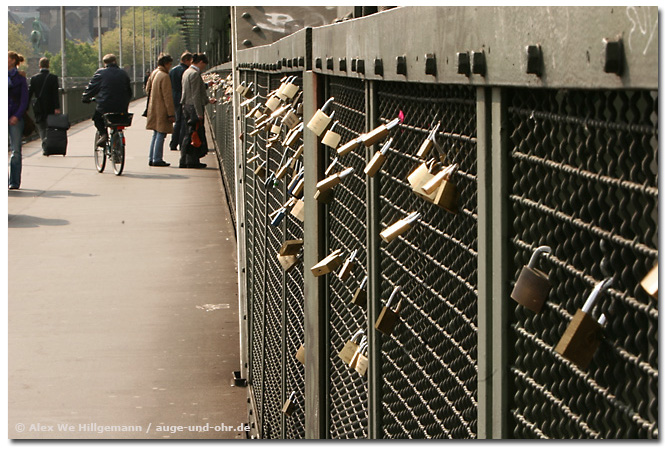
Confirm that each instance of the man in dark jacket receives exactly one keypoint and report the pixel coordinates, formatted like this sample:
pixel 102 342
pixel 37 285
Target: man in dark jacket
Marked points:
pixel 110 86
pixel 44 86
pixel 176 76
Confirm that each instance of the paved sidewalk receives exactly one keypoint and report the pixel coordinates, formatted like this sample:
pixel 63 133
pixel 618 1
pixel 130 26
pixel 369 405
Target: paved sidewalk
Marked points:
pixel 122 296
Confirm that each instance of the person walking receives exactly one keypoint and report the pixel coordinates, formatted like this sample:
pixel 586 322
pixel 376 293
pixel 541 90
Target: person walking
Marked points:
pixel 193 101
pixel 161 113
pixel 18 104
pixel 44 86
pixel 176 76
pixel 111 88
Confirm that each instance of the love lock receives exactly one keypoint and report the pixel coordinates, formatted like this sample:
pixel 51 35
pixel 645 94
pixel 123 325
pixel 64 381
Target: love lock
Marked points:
pixel 273 103
pixel 333 180
pixel 532 287
pixel 331 139
pixel 361 295
pixel 300 354
pixel 357 354
pixel 583 335
pixel 293 135
pixel 379 133
pixel 288 254
pixel 347 267
pixel 388 318
pixel 277 216
pixel 320 120
pixel 350 348
pixel 378 159
pixel 291 189
pixel 428 143
pixel 298 211
pixel 291 89
pixel 290 405
pixel 328 264
pixel 290 119
pixel 651 282
pixel 249 101
pixel 362 360
pixel 399 227
pixel 350 146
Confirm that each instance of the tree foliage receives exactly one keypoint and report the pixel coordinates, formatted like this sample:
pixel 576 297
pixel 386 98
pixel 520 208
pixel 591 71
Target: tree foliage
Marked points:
pixel 19 43
pixel 81 60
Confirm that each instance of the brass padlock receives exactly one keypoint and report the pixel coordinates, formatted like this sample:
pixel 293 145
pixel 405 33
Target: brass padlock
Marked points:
pixel 320 120
pixel 324 197
pixel 421 175
pixel 362 360
pixel 300 354
pixel 298 153
pixel 294 181
pixel 583 335
pixel 291 89
pixel 651 282
pixel 290 405
pixel 399 227
pixel 291 247
pixel 447 197
pixel 428 143
pixel 361 295
pixel 273 103
pixel 333 180
pixel 241 87
pixel 379 133
pixel 298 210
pixel 353 363
pixel 256 109
pixel 293 135
pixel 298 188
pixel 248 91
pixel 388 318
pixel 350 348
pixel 377 160
pixel 282 171
pixel 279 92
pixel 331 138
pixel 329 264
pixel 347 267
pixel 532 287
pixel 276 129
pixel 290 119
pixel 249 101
pixel 279 112
pixel 350 146
pixel 259 170
pixel 443 175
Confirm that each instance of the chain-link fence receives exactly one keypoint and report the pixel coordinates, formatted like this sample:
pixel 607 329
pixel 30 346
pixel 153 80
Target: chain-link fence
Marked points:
pixel 574 169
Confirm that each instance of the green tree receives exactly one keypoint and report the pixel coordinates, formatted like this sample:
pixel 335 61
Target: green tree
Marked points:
pixel 81 60
pixel 19 43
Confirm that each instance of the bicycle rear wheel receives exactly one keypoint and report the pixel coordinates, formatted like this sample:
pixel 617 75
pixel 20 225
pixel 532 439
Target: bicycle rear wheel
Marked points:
pixel 117 153
pixel 100 155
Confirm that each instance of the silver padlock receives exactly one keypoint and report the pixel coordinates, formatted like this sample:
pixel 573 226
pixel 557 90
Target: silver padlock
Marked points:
pixel 399 227
pixel 532 287
pixel 583 335
pixel 320 120
pixel 331 138
pixel 428 143
pixel 378 159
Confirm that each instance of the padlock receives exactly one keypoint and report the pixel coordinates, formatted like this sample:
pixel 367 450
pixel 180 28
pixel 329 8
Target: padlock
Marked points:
pixel 290 405
pixel 293 135
pixel 298 153
pixel 277 216
pixel 282 171
pixel 287 262
pixel 279 92
pixel 275 129
pixel 357 354
pixel 331 139
pixel 249 101
pixel 254 110
pixel 325 196
pixel 298 210
pixel 291 89
pixel 433 184
pixel 333 180
pixel 320 120
pixel 347 267
pixel 329 264
pixel 361 295
pixel 253 158
pixel 447 196
pixel 532 287
pixel 651 282
pixel 270 183
pixel 279 112
pixel 350 348
pixel 260 171
pixel 350 146
pixel 330 168
pixel 428 143
pixel 273 103
pixel 290 119
pixel 421 175
pixel 362 360
pixel 294 181
pixel 298 188
pixel 300 354
pixel 388 318
pixel 377 160
pixel 379 133
pixel 583 335
pixel 260 115
pixel 399 227
pixel 291 247
pixel 241 88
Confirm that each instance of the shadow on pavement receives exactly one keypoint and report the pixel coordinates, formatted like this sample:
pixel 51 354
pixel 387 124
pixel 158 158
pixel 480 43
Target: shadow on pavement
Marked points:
pixel 28 221
pixel 47 193
pixel 154 176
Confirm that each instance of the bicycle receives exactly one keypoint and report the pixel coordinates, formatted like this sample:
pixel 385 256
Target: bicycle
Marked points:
pixel 114 148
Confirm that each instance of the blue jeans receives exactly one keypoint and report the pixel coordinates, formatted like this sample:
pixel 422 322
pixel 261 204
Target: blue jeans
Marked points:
pixel 15 162
pixel 157 146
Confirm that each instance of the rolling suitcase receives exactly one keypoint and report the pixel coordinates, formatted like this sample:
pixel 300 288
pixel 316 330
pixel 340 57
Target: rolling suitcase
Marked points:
pixel 56 134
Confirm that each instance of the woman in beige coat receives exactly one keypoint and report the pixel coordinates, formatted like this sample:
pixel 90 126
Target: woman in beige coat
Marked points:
pixel 161 112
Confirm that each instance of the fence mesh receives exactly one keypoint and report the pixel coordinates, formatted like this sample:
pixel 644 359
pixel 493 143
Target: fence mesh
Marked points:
pixel 584 182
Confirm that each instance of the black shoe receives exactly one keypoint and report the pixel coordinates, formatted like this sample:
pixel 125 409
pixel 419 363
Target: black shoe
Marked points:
pixel 183 166
pixel 102 140
pixel 160 163
pixel 198 165
pixel 13 187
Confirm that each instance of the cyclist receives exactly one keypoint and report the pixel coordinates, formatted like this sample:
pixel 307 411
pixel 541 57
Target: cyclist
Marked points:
pixel 110 86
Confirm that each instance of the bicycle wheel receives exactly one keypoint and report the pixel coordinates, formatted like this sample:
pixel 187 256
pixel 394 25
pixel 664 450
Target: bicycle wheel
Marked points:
pixel 100 155
pixel 117 153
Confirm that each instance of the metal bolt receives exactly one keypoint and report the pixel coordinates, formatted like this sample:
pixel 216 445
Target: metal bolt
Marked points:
pixel 464 66
pixel 379 67
pixel 256 29
pixel 479 63
pixel 401 65
pixel 343 64
pixel 431 64
pixel 534 59
pixel 245 15
pixel 247 43
pixel 613 56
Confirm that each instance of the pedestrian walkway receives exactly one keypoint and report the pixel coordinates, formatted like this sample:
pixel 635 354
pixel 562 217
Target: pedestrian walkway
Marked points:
pixel 122 297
